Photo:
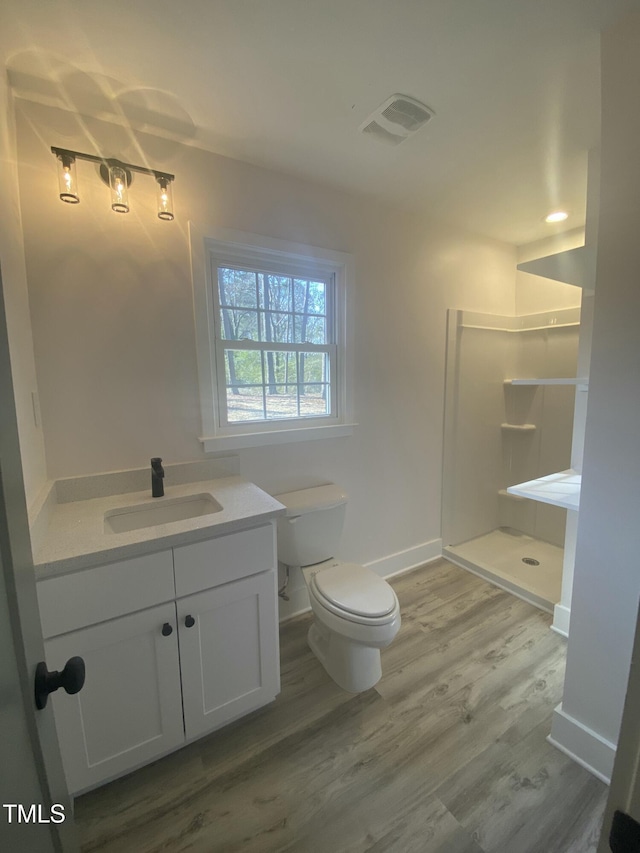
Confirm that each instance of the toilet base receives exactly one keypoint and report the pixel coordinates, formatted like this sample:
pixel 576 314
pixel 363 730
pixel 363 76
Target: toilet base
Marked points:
pixel 351 665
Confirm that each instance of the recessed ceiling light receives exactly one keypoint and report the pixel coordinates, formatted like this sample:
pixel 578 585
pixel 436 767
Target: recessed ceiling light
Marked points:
pixel 557 216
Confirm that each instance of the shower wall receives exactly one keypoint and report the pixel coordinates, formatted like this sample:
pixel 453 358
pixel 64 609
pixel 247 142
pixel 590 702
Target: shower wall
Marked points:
pixel 478 351
pixel 498 434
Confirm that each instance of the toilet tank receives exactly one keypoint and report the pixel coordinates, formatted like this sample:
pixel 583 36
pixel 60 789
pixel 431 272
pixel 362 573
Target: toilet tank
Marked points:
pixel 310 531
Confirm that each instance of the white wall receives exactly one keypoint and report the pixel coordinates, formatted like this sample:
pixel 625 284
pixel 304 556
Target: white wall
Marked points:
pixel 113 326
pixel 607 569
pixel 14 286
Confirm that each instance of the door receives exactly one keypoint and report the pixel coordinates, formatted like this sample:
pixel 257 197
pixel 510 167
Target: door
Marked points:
pixel 29 753
pixel 229 651
pixel 624 794
pixel 130 710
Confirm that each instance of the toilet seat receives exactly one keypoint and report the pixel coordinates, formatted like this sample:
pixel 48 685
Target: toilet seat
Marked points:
pixel 355 593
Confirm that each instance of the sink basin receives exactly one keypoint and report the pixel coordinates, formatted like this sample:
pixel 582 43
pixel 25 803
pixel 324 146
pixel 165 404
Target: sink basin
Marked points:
pixel 163 512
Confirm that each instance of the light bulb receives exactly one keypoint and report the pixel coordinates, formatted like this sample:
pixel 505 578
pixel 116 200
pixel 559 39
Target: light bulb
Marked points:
pixel 165 199
pixel 67 181
pixel 119 193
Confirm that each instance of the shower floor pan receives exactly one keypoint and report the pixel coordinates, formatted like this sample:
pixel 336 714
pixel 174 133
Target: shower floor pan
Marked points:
pixel 498 557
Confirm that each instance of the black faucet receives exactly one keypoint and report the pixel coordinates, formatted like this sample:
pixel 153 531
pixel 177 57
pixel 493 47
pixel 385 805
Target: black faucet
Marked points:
pixel 157 474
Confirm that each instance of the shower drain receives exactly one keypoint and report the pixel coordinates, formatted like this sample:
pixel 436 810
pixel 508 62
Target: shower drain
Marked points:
pixel 530 561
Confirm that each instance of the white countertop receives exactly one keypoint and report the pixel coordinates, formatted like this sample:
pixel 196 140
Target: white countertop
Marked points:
pixel 75 536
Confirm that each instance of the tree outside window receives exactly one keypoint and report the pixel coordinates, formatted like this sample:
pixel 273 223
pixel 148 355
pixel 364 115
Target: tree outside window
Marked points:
pixel 276 334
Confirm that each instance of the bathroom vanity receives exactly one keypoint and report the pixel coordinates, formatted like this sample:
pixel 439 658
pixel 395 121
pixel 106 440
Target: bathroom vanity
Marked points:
pixel 179 634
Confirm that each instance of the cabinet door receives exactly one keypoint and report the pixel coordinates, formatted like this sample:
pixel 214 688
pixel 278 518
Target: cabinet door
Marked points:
pixel 129 710
pixel 229 651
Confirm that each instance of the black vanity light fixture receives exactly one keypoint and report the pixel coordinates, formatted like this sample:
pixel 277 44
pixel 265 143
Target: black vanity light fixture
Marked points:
pixel 117 175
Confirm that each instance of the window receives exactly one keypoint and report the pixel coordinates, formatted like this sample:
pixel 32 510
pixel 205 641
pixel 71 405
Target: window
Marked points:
pixel 271 329
pixel 275 344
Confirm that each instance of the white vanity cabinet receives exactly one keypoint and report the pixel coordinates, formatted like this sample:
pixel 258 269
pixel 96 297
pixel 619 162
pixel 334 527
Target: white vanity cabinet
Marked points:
pixel 176 644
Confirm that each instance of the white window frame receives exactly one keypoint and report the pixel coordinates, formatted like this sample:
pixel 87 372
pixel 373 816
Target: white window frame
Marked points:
pixel 213 247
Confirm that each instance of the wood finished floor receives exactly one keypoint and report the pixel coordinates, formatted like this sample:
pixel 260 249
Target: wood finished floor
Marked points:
pixel 447 754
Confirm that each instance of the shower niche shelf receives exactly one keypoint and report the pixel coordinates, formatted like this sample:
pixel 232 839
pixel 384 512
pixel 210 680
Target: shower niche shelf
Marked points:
pixel 518 427
pixel 582 383
pixel 561 489
pixel 575 266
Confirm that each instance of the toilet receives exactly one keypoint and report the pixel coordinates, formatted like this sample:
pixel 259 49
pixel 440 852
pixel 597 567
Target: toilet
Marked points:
pixel 356 612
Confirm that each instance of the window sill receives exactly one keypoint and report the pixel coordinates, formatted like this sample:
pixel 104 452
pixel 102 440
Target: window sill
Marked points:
pixel 283 436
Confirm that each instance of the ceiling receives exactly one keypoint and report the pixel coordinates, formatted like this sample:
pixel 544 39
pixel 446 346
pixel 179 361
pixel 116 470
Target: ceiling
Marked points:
pixel 287 83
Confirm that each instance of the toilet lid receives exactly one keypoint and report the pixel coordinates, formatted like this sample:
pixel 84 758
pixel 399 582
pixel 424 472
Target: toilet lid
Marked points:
pixel 355 589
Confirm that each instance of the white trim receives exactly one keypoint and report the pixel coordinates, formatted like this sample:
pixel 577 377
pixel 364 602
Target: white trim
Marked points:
pixel 405 561
pixel 214 443
pixel 203 312
pixel 561 618
pixel 386 567
pixel 583 745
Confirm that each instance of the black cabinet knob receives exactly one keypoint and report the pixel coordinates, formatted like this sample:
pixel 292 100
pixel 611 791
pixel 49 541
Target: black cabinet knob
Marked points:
pixel 189 621
pixel 166 629
pixel 71 679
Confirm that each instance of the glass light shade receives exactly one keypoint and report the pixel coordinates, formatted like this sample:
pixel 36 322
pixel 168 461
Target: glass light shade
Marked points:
pixel 165 199
pixel 67 180
pixel 119 190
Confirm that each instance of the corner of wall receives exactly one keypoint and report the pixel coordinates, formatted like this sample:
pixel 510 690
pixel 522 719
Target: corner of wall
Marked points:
pixel 14 286
pixel 584 746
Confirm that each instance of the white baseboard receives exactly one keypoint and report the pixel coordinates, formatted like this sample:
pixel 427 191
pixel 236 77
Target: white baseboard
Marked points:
pixel 561 617
pixel 586 747
pixel 404 561
pixel 386 567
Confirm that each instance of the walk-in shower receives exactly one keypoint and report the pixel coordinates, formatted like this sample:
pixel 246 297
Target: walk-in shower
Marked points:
pixel 508 419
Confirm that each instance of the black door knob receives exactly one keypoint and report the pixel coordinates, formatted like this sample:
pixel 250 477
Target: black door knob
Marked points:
pixel 166 629
pixel 71 679
pixel 189 621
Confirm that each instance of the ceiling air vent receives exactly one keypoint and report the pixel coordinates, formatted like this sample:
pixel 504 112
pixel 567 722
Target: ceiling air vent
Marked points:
pixel 396 119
